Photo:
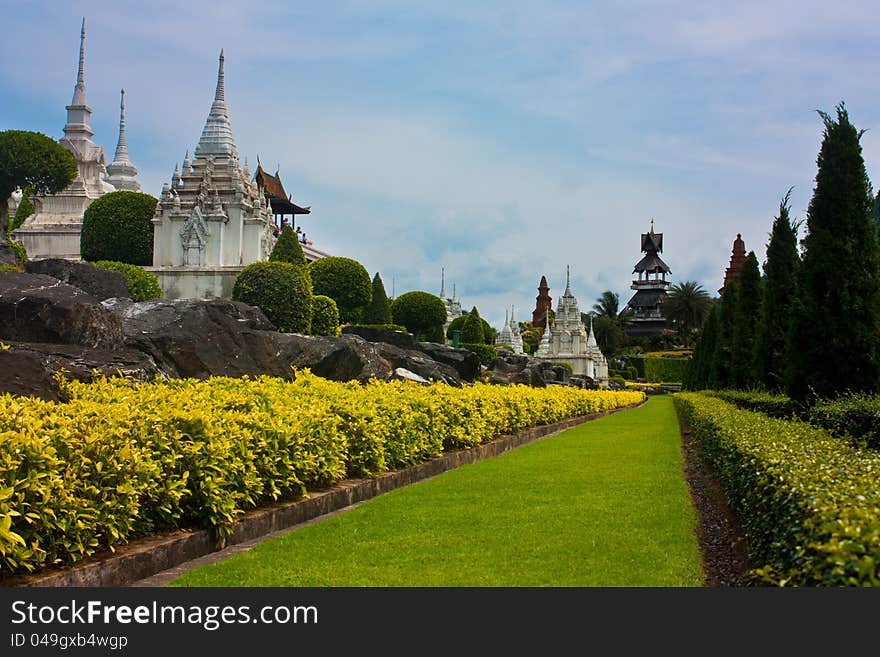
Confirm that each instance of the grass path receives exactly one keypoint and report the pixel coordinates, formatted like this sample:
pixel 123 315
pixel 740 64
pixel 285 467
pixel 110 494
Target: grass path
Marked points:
pixel 601 504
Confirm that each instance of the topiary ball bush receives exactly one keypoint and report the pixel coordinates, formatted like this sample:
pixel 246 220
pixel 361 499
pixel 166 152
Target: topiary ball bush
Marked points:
pixel 346 282
pixel 118 227
pixel 281 290
pixel 325 316
pixel 142 285
pixel 418 311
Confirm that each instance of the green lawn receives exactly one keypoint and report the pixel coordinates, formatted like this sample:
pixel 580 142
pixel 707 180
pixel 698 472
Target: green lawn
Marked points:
pixel 601 504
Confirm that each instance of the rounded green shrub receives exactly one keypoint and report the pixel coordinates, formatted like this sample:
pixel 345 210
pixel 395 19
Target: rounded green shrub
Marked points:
pixel 418 311
pixel 288 249
pixel 281 290
pixel 325 316
pixel 118 227
pixel 142 285
pixel 433 334
pixel 455 325
pixel 346 282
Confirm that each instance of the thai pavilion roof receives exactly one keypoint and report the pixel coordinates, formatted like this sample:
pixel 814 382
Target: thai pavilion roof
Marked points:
pixel 651 263
pixel 274 189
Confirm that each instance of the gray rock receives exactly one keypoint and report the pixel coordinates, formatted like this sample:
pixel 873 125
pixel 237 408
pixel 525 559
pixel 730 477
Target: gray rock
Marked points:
pixel 370 334
pixel 405 375
pixel 23 374
pixel 81 363
pixel 39 308
pixel 100 283
pixel 464 361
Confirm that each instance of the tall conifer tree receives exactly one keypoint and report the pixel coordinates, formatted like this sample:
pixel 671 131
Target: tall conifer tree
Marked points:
pixel 379 309
pixel 721 371
pixel 833 340
pixel 746 322
pixel 697 377
pixel 472 329
pixel 780 286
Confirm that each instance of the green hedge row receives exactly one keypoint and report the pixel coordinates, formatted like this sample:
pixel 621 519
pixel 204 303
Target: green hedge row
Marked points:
pixel 810 503
pixel 855 417
pixel 778 406
pixel 659 369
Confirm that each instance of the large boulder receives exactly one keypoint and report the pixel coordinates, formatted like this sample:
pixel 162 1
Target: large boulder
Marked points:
pixel 508 369
pixel 465 362
pixel 83 363
pixel 400 339
pixel 40 308
pixel 100 283
pixel 23 374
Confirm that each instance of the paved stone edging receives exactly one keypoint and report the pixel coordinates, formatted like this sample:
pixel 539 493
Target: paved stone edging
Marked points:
pixel 146 557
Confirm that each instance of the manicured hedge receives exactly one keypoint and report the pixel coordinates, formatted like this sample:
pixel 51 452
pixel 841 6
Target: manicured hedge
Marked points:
pixel 665 369
pixel 778 406
pixel 122 459
pixel 142 285
pixel 810 502
pixel 118 227
pixel 325 315
pixel 283 292
pixel 855 417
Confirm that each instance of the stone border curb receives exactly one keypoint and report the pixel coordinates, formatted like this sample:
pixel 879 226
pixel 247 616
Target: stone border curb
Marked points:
pixel 146 557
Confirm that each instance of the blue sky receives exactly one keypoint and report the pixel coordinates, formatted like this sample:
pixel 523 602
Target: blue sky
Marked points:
pixel 500 140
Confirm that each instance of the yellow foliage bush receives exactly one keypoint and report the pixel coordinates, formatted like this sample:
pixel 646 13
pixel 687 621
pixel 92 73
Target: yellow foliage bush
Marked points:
pixel 120 459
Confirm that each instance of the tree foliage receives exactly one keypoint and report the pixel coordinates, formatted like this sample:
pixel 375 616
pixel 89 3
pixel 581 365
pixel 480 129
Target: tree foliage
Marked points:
pixel 780 286
pixel 721 370
pixel 472 331
pixel 833 340
pixel 118 227
pixel 30 160
pixel 346 282
pixel 379 309
pixel 288 249
pixel 700 367
pixel 418 311
pixel 746 320
pixel 686 307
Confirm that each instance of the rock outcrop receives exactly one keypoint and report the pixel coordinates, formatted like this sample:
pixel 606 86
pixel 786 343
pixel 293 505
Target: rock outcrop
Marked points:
pixel 100 283
pixel 39 308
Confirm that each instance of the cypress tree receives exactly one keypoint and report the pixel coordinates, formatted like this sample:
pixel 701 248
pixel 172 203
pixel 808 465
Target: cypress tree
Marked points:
pixel 832 344
pixel 701 362
pixel 746 322
pixel 287 248
pixel 720 371
pixel 472 329
pixel 780 287
pixel 379 309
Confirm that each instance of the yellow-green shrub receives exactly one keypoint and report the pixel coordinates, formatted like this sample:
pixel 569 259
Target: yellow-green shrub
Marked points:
pixel 121 459
pixel 810 502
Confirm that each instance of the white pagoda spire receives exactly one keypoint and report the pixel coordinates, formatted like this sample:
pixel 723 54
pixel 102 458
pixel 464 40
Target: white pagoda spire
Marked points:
pixel 442 282
pixel 591 340
pixel 79 114
pixel 217 134
pixel 121 173
pixel 567 292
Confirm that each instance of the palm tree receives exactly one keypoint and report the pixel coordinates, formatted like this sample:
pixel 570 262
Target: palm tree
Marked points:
pixel 687 305
pixel 608 305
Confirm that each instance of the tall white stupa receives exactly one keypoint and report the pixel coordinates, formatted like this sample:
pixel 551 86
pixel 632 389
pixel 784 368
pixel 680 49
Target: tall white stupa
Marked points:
pixel 53 231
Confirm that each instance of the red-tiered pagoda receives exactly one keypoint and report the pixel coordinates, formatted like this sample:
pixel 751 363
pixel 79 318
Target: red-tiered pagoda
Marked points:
pixel 283 207
pixel 543 304
pixel 737 260
pixel 650 287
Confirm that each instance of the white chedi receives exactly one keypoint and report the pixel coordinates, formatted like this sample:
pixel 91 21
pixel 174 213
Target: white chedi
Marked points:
pixel 211 221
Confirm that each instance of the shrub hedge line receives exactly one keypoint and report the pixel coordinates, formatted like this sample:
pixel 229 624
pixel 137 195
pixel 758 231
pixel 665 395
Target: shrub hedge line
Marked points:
pixel 853 417
pixel 122 459
pixel 810 502
pixel 659 368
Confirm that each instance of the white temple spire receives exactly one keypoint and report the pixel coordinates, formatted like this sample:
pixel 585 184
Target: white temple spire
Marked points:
pixel 591 339
pixel 79 92
pixel 121 173
pixel 217 134
pixel 442 282
pixel 567 281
